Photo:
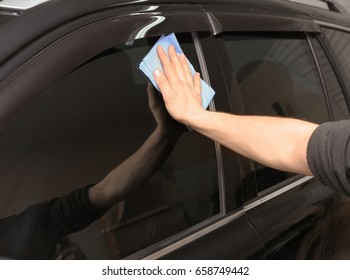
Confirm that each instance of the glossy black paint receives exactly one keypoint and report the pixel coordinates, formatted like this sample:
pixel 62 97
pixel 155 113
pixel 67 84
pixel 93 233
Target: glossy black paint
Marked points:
pixel 298 224
pixel 24 29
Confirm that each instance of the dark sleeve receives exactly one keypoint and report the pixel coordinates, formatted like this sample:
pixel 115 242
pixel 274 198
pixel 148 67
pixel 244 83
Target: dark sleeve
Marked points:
pixel 34 233
pixel 25 236
pixel 328 155
pixel 72 212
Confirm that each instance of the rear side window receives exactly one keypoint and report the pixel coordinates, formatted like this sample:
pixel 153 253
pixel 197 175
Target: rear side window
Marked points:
pixel 84 126
pixel 340 42
pixel 277 76
pixel 340 109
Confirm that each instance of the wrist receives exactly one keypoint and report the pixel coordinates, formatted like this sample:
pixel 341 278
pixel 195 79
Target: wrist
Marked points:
pixel 198 119
pixel 174 129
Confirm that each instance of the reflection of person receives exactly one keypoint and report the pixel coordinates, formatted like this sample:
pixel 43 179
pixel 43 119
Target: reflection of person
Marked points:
pixel 34 233
pixel 286 144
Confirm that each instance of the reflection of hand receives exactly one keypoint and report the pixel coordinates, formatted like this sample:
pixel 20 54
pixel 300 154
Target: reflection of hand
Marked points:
pixel 157 106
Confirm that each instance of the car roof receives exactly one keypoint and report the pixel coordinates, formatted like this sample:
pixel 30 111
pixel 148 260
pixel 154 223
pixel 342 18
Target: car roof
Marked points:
pixel 23 6
pixel 24 21
pixel 50 11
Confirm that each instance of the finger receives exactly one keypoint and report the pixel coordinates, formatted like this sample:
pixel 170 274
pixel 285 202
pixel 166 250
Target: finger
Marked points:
pixel 163 83
pixel 186 68
pixel 167 65
pixel 149 87
pixel 150 95
pixel 162 56
pixel 197 83
pixel 151 92
pixel 174 58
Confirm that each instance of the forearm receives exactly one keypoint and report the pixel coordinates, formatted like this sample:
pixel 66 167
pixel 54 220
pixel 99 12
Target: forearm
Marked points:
pixel 280 143
pixel 135 170
pixel 276 142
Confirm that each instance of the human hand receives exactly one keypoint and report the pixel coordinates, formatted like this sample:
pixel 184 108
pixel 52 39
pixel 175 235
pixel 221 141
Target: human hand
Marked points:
pixel 180 89
pixel 157 106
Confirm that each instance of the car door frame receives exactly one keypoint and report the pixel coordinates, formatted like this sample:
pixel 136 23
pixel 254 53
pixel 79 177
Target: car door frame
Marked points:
pixel 259 207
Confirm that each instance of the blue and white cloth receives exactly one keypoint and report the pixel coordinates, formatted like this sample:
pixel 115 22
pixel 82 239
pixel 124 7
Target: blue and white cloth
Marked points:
pixel 151 62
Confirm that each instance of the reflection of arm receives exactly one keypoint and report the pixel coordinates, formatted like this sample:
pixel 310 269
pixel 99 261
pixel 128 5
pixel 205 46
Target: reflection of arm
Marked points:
pixel 38 228
pixel 134 171
pixel 140 166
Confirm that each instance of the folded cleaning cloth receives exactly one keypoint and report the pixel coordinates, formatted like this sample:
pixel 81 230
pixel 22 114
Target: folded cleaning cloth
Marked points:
pixel 151 62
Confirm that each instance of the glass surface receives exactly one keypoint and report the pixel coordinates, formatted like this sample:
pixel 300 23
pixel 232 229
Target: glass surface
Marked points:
pixel 86 125
pixel 340 42
pixel 277 76
pixel 339 106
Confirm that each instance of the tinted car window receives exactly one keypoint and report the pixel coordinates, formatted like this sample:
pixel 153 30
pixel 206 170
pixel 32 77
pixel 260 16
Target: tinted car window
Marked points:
pixel 277 76
pixel 335 93
pixel 340 43
pixel 86 124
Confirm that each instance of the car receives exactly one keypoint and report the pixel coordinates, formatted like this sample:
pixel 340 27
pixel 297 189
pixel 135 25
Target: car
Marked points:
pixel 73 105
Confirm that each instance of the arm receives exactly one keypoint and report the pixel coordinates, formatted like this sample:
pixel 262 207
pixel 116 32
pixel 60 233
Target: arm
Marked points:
pixel 276 142
pixel 140 166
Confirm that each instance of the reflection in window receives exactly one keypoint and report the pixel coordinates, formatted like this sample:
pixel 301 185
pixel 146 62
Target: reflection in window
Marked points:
pixel 340 108
pixel 278 77
pixel 340 42
pixel 83 126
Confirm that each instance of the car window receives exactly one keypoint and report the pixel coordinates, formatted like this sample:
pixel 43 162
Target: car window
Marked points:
pixel 340 109
pixel 340 43
pixel 85 125
pixel 277 76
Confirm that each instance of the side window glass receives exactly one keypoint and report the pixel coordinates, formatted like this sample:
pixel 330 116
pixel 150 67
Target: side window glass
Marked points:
pixel 277 76
pixel 87 124
pixel 340 42
pixel 338 103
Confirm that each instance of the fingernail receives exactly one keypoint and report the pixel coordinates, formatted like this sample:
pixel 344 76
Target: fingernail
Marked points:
pixel 156 73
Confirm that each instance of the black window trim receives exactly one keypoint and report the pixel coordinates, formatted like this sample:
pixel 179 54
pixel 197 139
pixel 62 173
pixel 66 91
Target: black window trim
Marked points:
pixel 335 70
pixel 334 59
pixel 320 75
pixel 333 26
pixel 228 101
pixel 173 243
pixel 233 21
pixel 207 226
pixel 219 160
pixel 277 190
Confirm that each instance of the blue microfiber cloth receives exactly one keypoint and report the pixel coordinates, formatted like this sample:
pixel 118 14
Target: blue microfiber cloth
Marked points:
pixel 151 62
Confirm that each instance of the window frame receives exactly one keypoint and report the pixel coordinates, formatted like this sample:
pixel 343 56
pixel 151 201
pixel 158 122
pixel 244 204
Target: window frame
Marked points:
pixel 319 38
pixel 250 198
pixel 334 58
pixel 304 26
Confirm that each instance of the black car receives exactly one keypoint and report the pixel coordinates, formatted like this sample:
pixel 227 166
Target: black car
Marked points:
pixel 73 105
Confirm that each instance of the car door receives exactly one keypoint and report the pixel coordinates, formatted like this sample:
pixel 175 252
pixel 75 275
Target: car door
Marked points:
pixel 74 106
pixel 271 66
